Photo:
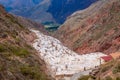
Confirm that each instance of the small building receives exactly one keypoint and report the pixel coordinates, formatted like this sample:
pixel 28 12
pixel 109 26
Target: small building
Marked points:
pixel 107 58
pixel 115 55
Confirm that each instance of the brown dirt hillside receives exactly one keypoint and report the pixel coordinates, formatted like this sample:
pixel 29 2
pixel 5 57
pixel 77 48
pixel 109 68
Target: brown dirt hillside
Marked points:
pixel 95 29
pixel 18 60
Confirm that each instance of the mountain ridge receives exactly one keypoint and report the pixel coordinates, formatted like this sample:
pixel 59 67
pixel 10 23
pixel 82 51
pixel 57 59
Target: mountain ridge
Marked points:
pixel 46 10
pixel 83 32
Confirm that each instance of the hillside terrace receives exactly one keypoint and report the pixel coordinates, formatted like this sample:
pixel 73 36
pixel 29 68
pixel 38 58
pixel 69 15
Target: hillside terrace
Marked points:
pixel 61 60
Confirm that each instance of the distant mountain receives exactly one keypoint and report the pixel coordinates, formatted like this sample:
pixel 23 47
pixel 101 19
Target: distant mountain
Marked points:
pixel 19 6
pixel 61 9
pixel 45 10
pixel 34 9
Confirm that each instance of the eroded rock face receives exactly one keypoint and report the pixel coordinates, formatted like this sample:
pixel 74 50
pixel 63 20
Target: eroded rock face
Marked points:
pixel 94 29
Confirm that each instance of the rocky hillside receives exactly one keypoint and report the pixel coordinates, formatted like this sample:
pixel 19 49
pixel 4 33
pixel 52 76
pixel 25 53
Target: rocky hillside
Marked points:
pixel 96 28
pixel 18 60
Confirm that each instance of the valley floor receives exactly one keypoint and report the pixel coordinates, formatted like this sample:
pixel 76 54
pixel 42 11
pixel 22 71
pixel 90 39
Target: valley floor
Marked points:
pixel 62 61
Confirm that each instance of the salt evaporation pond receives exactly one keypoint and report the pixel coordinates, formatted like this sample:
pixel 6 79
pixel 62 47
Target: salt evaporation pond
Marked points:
pixel 62 61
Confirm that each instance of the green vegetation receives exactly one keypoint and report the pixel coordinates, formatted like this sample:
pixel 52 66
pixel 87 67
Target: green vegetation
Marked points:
pixel 51 26
pixel 2 48
pixel 15 50
pixel 116 69
pixel 118 78
pixel 19 51
pixel 108 78
pixel 84 78
pixel 32 72
pixel 19 60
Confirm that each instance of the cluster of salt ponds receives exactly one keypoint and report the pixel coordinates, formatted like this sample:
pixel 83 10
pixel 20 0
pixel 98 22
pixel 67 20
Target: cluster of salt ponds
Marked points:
pixel 60 59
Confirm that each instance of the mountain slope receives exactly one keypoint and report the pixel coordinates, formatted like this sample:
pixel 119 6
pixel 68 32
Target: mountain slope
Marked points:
pixel 94 29
pixel 18 60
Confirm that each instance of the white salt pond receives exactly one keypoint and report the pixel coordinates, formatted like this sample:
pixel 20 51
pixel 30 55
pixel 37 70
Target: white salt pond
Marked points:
pixel 62 61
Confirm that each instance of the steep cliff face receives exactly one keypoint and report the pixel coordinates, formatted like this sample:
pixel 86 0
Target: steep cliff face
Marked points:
pixel 18 60
pixel 95 29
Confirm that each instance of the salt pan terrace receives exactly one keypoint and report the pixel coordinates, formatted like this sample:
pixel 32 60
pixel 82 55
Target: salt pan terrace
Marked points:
pixel 60 59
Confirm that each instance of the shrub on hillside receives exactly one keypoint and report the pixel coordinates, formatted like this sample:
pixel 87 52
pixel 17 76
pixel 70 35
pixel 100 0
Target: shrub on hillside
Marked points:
pixel 108 78
pixel 118 78
pixel 84 78
pixel 116 69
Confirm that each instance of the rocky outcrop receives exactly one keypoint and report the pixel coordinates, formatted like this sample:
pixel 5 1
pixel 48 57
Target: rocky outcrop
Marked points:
pixel 94 29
